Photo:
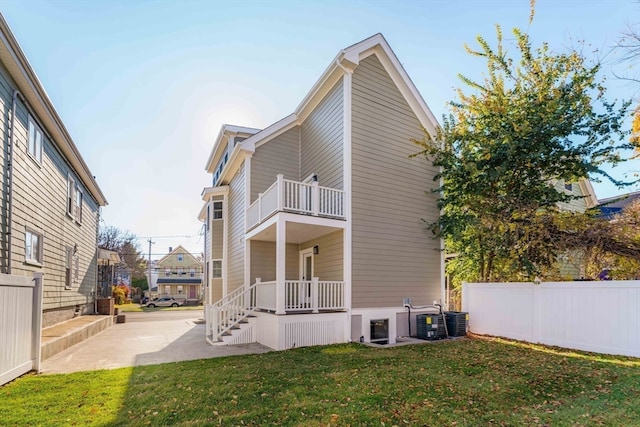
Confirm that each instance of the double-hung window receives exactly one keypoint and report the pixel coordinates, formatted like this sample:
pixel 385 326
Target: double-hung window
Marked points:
pixel 34 148
pixel 217 210
pixel 33 247
pixel 216 269
pixel 74 200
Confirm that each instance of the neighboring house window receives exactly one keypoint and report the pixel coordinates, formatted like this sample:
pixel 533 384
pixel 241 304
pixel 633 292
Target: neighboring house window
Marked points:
pixel 68 267
pixel 217 210
pixel 180 257
pixel 167 289
pixel 33 247
pixel 568 187
pixel 192 272
pixel 180 271
pixel 167 272
pixel 179 289
pixel 35 140
pixel 71 188
pixel 216 269
pixel 78 205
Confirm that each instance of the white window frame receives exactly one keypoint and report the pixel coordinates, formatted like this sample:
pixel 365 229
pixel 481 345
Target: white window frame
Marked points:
pixel 79 197
pixel 167 272
pixel 35 140
pixel 180 257
pixel 29 236
pixel 192 272
pixel 217 212
pixel 214 268
pixel 68 267
pixel 71 197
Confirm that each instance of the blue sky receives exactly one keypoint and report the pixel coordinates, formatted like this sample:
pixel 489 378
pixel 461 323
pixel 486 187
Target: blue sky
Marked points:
pixel 144 86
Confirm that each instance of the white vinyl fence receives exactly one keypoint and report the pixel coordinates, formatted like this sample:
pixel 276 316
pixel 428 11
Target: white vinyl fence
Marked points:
pixel 601 316
pixel 20 325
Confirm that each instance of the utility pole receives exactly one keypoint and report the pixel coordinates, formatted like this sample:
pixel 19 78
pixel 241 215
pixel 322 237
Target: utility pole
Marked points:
pixel 149 264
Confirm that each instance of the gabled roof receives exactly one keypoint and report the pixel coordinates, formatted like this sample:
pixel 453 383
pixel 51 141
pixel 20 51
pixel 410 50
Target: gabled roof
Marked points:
pixel 614 205
pixel 225 132
pixel 345 62
pixel 178 250
pixel 32 90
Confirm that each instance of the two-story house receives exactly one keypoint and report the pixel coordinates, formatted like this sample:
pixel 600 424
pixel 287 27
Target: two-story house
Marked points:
pixel 50 200
pixel 179 275
pixel 315 226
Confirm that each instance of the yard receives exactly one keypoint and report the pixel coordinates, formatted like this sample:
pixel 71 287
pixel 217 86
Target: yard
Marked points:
pixel 478 381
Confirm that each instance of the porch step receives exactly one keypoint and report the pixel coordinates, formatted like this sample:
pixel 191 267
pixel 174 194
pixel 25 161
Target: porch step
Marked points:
pixel 60 337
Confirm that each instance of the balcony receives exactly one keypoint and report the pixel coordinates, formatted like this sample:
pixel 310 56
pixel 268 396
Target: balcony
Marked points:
pixel 297 197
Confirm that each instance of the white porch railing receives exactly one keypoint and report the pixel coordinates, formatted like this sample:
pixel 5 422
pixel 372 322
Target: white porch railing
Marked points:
pixel 302 295
pixel 298 197
pixel 226 313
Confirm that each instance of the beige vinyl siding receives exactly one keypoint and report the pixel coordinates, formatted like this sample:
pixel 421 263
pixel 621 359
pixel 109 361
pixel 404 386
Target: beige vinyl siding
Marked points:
pixel 216 290
pixel 217 238
pixel 263 261
pixel 322 140
pixel 6 92
pixel 394 256
pixel 328 263
pixel 236 227
pixel 39 202
pixel 279 155
pixel 577 205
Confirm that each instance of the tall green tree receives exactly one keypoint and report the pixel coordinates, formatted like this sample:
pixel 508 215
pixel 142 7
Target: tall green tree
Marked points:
pixel 538 117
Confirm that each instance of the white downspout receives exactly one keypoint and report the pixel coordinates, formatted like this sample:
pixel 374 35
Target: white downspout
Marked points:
pixel 10 189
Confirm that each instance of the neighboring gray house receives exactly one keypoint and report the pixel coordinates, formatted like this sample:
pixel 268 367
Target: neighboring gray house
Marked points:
pixel 315 224
pixel 50 200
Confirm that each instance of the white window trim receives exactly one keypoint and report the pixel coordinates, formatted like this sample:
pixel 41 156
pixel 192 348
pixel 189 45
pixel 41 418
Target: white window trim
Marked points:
pixel 213 276
pixel 68 267
pixel 71 196
pixel 220 211
pixel 78 210
pixel 37 155
pixel 39 260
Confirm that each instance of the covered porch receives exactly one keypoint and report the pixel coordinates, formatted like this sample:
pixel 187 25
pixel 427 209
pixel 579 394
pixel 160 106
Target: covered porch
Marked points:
pixel 296 265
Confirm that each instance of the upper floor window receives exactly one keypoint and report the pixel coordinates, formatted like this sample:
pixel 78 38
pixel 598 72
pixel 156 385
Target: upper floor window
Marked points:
pixel 568 186
pixel 192 272
pixel 180 257
pixel 180 271
pixel 71 196
pixel 167 272
pixel 217 210
pixel 35 141
pixel 33 247
pixel 78 205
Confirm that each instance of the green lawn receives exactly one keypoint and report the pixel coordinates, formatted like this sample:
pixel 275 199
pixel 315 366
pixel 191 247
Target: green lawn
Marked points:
pixel 471 382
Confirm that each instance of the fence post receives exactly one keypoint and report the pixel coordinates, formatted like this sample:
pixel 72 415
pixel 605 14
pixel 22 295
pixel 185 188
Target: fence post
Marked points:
pixel 257 292
pixel 280 191
pixel 314 295
pixel 36 332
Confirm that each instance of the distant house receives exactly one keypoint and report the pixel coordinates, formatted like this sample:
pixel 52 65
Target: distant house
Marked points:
pixel 314 225
pixel 50 200
pixel 179 274
pixel 614 205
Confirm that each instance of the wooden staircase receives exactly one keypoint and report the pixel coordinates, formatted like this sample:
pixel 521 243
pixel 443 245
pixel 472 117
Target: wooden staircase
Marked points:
pixel 230 320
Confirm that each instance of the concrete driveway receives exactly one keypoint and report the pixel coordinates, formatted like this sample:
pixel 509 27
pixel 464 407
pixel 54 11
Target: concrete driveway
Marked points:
pixel 146 338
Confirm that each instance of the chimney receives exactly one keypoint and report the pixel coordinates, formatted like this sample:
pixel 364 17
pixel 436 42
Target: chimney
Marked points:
pixel 170 249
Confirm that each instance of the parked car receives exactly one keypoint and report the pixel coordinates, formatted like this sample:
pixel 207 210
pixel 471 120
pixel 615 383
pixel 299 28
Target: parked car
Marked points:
pixel 164 302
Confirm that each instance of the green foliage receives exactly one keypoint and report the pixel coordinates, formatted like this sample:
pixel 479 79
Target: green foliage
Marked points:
pixel 140 283
pixel 535 120
pixel 470 382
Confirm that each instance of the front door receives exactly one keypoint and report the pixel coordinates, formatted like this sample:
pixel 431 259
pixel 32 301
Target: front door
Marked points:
pixel 306 264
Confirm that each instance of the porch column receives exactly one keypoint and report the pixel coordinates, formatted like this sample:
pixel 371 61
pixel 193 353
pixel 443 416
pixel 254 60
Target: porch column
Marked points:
pixel 281 255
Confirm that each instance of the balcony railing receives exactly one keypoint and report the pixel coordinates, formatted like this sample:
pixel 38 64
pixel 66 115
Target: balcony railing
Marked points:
pixel 297 197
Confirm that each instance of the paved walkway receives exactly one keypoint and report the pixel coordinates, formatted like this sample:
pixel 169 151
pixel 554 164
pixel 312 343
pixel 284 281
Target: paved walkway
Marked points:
pixel 139 341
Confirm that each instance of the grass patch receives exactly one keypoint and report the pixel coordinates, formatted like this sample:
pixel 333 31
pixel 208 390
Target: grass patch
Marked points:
pixel 463 382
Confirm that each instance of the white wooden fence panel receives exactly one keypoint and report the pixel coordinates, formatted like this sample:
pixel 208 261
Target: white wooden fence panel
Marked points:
pixel 20 324
pixel 601 316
